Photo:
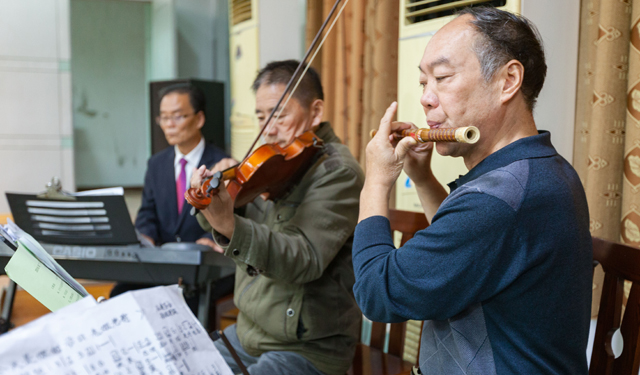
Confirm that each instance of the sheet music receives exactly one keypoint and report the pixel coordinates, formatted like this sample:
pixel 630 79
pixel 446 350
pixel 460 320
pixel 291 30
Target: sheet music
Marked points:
pixel 39 281
pixel 41 255
pixel 149 331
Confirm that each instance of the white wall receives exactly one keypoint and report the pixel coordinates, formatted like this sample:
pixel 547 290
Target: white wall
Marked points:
pixel 195 25
pixel 110 105
pixel 559 24
pixel 203 43
pixel 281 30
pixel 35 96
pixel 163 64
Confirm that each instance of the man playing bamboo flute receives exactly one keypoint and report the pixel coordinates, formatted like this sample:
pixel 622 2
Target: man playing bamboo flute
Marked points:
pixel 502 276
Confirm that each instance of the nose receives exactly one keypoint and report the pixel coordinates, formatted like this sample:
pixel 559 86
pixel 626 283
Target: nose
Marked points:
pixel 272 128
pixel 429 99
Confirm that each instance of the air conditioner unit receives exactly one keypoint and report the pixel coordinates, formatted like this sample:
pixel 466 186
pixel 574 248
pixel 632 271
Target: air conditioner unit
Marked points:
pixel 243 52
pixel 258 35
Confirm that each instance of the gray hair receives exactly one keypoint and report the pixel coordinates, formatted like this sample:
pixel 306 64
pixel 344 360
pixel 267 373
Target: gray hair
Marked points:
pixel 504 36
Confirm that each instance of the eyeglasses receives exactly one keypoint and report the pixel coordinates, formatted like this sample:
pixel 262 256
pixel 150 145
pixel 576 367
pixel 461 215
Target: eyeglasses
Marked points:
pixel 177 119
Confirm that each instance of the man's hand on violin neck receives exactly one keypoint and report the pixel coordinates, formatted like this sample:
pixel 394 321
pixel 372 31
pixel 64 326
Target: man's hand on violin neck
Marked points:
pixel 219 213
pixel 198 175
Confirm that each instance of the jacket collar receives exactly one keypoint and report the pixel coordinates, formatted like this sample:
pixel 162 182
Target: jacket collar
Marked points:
pixel 325 132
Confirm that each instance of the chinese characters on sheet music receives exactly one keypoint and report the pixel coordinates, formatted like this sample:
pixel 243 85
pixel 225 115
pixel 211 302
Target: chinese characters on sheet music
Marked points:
pixel 151 331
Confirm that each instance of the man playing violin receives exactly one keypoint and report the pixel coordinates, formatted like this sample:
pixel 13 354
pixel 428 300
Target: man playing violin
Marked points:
pixel 294 274
pixel 502 276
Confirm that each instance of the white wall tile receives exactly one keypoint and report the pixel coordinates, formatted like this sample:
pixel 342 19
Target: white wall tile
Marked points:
pixel 67 175
pixel 29 102
pixel 29 172
pixel 13 64
pixel 15 142
pixel 28 29
pixel 66 122
pixel 64 30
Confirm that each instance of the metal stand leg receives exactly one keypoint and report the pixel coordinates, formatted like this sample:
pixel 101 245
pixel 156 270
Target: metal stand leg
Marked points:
pixel 204 301
pixel 7 306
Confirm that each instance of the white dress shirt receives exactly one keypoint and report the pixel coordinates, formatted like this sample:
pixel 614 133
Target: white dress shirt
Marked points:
pixel 193 158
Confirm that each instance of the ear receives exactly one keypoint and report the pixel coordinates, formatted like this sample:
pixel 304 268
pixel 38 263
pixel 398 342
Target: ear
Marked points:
pixel 512 75
pixel 316 112
pixel 200 119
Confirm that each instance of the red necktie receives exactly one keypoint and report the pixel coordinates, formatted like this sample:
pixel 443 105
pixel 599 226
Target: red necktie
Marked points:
pixel 181 184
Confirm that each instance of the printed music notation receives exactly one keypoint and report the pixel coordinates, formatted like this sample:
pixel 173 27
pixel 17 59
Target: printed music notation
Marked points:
pixel 150 331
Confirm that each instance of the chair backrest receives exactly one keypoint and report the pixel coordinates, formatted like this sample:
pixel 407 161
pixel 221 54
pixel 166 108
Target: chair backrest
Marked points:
pixel 620 262
pixel 407 223
pixel 4 217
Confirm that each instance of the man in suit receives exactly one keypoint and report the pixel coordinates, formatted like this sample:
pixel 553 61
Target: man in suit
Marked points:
pixel 164 213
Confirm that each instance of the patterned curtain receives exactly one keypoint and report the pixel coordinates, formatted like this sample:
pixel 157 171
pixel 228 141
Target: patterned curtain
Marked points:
pixel 358 65
pixel 630 224
pixel 607 132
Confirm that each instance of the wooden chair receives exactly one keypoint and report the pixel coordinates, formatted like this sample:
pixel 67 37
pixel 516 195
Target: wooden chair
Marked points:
pixel 226 312
pixel 4 217
pixel 620 262
pixel 371 359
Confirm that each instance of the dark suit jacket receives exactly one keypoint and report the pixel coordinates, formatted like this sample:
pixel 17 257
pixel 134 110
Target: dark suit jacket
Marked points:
pixel 158 215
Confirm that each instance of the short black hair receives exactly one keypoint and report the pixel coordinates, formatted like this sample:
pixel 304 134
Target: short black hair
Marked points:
pixel 504 36
pixel 280 72
pixel 196 96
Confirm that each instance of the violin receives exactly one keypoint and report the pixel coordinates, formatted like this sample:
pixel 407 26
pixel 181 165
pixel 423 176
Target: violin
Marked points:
pixel 466 134
pixel 270 168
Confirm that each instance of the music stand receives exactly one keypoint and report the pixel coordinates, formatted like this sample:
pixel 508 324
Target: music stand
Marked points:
pixel 86 220
pixel 58 218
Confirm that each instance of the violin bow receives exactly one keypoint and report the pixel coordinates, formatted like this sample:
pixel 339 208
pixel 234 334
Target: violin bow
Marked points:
pixel 268 123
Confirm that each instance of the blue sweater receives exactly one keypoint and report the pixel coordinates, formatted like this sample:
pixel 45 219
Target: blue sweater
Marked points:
pixel 502 277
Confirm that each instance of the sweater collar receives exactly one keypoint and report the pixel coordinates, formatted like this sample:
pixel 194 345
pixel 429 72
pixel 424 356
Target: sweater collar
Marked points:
pixel 536 146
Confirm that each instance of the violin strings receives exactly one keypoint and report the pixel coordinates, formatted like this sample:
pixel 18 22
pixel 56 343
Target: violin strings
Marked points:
pixel 305 69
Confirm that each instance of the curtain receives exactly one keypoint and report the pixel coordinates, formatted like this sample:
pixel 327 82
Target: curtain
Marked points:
pixel 358 65
pixel 605 130
pixel 630 223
